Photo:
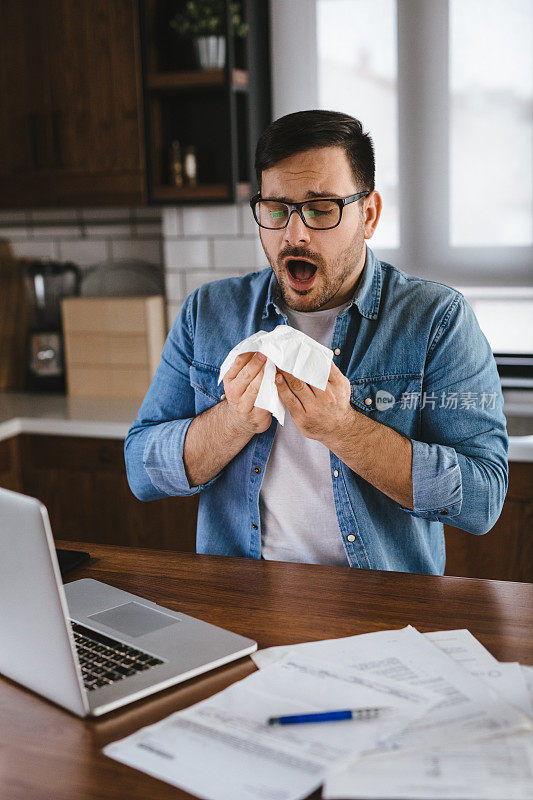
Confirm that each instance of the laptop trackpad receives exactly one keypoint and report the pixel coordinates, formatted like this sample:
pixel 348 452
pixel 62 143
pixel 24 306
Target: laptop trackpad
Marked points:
pixel 134 619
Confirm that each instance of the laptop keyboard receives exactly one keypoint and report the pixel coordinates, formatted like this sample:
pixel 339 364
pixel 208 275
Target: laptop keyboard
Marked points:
pixel 104 660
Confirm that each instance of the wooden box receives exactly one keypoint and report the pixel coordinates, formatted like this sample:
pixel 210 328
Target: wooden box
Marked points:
pixel 112 344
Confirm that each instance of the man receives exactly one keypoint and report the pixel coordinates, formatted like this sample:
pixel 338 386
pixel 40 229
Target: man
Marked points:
pixel 409 431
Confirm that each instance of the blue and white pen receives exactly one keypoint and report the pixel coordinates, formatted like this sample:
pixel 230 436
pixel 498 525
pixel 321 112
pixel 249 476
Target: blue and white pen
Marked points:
pixel 328 716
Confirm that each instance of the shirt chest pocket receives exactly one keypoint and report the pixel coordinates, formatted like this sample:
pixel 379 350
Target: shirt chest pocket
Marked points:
pixel 393 400
pixel 207 392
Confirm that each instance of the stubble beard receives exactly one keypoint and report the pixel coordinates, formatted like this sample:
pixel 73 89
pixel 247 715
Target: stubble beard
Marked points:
pixel 344 266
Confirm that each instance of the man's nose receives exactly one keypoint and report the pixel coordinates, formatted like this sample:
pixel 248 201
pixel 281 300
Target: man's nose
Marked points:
pixel 296 231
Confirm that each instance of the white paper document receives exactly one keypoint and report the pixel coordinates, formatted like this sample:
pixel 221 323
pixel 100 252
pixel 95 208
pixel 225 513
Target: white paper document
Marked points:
pixel 500 768
pixel 507 679
pixel 247 758
pixel 488 768
pixel 291 351
pixel 527 672
pixel 464 648
pixel 468 708
pixel 458 725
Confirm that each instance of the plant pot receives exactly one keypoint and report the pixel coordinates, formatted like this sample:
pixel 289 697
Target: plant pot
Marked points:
pixel 210 51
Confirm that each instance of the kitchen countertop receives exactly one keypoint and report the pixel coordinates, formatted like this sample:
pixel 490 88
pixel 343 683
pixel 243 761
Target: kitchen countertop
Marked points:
pixel 60 415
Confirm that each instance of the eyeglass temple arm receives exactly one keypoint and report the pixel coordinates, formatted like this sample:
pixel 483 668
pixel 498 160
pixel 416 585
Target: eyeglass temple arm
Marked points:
pixel 353 197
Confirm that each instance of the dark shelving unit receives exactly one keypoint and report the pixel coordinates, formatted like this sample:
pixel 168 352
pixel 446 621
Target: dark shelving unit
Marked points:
pixel 221 112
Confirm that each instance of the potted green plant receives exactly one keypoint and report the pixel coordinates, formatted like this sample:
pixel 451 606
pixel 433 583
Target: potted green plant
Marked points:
pixel 203 22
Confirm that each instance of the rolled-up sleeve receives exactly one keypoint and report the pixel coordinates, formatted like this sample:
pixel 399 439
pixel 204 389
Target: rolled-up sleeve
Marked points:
pixel 459 464
pixel 153 448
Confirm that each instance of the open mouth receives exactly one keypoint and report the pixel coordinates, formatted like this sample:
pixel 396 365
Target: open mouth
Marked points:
pixel 301 273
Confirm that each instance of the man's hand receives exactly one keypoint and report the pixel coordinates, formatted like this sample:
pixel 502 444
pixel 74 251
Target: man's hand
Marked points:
pixel 241 386
pixel 216 435
pixel 377 453
pixel 317 415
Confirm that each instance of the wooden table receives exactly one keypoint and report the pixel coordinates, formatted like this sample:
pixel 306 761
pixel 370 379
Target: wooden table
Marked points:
pixel 47 754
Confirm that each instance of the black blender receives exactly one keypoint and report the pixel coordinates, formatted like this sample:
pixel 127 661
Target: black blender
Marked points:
pixel 47 282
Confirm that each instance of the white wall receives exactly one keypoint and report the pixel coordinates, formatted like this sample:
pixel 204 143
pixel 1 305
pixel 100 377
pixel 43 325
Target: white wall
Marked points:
pixel 294 63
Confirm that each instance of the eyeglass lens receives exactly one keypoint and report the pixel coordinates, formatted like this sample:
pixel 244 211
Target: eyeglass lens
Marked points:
pixel 316 213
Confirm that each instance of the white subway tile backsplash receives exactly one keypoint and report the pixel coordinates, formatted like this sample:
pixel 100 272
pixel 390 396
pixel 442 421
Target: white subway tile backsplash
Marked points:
pixel 106 214
pixel 173 309
pixel 147 212
pixel 210 220
pixel 195 279
pixel 144 229
pixel 111 231
pixel 57 232
pixel 260 258
pixel 239 253
pixel 85 253
pixel 35 249
pixel 186 253
pixel 172 222
pixel 196 244
pixel 14 217
pixel 143 249
pixel 175 285
pixel 248 225
pixel 14 233
pixel 54 215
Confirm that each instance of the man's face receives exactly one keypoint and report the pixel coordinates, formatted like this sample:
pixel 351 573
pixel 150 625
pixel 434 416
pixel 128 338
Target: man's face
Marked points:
pixel 335 257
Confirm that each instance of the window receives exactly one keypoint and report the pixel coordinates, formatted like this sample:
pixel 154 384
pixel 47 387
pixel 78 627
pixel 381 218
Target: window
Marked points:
pixel 359 78
pixel 445 88
pixel 491 125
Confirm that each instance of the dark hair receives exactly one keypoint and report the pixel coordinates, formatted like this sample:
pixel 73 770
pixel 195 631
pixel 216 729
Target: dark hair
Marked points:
pixel 308 130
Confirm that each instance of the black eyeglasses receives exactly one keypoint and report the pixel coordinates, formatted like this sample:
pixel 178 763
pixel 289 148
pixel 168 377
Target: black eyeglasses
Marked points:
pixel 319 214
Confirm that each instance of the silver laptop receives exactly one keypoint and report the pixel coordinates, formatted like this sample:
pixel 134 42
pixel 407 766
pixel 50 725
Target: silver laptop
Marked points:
pixel 88 646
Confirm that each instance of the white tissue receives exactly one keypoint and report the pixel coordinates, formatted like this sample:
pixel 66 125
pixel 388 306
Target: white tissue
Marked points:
pixel 289 350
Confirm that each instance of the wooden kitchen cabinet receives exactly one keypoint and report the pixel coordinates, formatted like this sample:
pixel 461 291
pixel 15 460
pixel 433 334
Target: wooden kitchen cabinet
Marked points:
pixel 506 552
pixel 10 473
pixel 95 89
pixel 25 143
pixel 82 481
pixel 88 115
pixel 71 101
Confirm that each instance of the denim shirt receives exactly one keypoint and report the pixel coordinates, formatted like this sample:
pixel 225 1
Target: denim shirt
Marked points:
pixel 417 362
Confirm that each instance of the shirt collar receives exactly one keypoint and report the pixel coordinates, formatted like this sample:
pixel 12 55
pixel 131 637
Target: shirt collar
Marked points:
pixel 367 298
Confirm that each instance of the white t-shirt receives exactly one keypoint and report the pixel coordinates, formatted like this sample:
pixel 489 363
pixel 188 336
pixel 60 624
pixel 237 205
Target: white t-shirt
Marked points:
pixel 296 505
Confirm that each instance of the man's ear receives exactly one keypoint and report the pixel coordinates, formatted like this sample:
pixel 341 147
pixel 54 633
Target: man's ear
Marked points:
pixel 372 212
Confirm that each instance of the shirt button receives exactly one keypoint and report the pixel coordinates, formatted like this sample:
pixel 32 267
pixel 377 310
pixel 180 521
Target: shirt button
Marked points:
pixel 257 470
pixel 222 396
pixel 443 512
pixel 337 351
pixel 351 537
pixel 254 526
pixel 368 401
pixel 336 473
